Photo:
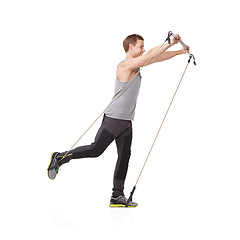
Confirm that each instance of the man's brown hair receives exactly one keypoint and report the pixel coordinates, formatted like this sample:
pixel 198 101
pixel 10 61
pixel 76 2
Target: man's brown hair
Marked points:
pixel 131 39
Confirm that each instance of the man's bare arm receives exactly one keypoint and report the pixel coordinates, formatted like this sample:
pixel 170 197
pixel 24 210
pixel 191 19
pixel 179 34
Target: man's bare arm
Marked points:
pixel 169 54
pixel 127 68
pixel 152 56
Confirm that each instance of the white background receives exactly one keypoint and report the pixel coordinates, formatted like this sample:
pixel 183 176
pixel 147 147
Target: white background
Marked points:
pixel 57 69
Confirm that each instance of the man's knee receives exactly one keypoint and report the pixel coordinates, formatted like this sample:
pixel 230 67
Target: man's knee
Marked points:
pixel 97 151
pixel 101 143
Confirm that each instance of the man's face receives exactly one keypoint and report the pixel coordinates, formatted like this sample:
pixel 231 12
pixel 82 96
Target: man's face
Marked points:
pixel 138 49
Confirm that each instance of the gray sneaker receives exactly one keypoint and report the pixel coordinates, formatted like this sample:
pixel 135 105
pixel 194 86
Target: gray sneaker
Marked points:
pixel 53 167
pixel 121 201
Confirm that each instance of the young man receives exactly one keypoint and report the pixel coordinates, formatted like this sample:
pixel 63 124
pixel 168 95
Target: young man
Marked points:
pixel 117 120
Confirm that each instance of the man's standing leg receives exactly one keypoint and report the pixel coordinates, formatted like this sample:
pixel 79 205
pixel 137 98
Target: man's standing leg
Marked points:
pixel 123 142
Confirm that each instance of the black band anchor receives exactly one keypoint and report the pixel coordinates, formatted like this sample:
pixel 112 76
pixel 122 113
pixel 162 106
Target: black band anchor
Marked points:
pixel 131 194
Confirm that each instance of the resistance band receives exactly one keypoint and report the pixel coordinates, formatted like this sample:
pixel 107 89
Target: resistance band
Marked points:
pixel 190 57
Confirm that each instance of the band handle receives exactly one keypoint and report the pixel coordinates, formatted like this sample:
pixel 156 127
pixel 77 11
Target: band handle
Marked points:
pixel 183 44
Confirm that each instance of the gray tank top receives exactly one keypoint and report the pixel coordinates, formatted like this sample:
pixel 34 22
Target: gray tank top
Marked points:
pixel 123 107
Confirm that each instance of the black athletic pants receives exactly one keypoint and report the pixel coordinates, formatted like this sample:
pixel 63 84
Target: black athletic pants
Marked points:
pixel 111 129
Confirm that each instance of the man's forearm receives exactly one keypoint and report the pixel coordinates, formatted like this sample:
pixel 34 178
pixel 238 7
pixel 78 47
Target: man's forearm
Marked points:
pixel 156 52
pixel 160 54
pixel 167 55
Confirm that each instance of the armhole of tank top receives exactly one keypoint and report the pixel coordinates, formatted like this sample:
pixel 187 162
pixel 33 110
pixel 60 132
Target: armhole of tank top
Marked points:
pixel 122 83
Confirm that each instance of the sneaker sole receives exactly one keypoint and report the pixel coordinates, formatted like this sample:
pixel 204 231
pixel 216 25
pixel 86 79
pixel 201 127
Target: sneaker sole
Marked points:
pixel 121 205
pixel 49 166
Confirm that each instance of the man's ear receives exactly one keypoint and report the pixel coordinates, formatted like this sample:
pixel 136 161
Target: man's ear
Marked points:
pixel 130 47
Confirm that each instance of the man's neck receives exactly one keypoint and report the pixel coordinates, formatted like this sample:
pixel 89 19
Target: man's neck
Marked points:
pixel 129 55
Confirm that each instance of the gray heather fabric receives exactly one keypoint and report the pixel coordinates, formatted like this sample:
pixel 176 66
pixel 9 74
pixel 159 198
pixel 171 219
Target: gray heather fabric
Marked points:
pixel 124 106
